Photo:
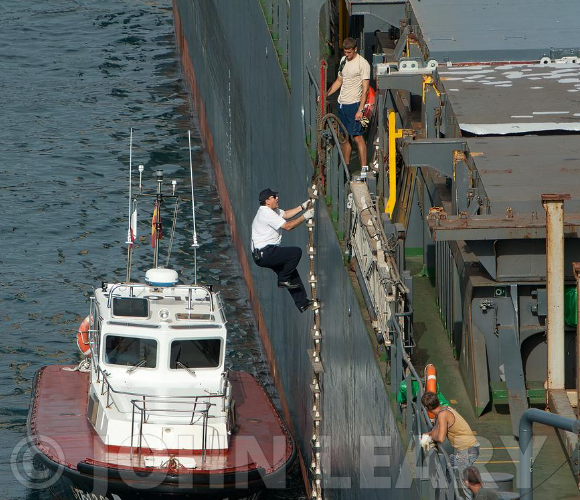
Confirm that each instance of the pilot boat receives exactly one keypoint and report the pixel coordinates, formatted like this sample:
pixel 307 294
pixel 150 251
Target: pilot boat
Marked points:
pixel 152 410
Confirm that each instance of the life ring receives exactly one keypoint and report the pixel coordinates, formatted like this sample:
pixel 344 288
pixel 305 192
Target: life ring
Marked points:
pixel 370 103
pixel 431 382
pixel 83 337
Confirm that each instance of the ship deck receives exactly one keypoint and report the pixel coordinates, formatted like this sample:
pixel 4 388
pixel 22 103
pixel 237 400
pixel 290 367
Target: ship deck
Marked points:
pixel 61 429
pixel 499 450
pixel 549 166
pixel 463 34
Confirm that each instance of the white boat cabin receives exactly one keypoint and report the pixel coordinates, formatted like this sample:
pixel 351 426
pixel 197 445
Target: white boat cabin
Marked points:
pixel 158 379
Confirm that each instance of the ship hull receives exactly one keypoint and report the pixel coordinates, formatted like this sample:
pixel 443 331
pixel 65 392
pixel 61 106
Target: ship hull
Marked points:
pixel 254 135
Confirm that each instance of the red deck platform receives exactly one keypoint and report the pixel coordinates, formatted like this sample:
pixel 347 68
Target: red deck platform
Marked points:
pixel 61 431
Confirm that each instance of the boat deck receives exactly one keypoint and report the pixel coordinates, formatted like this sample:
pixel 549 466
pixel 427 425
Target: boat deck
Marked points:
pixel 62 431
pixel 499 450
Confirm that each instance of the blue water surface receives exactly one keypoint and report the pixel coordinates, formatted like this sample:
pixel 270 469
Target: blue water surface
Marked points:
pixel 75 77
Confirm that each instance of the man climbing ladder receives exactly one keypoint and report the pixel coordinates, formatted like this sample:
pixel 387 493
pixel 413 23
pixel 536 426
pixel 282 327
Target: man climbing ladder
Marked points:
pixel 266 239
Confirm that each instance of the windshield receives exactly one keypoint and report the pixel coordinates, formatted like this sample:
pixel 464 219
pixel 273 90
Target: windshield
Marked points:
pixel 130 307
pixel 130 351
pixel 199 353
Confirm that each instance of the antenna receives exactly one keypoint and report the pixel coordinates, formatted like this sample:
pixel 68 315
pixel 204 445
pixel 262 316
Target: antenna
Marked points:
pixel 141 168
pixel 129 240
pixel 195 244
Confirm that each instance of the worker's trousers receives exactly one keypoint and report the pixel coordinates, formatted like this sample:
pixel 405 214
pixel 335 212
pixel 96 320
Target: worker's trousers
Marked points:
pixel 283 261
pixel 460 460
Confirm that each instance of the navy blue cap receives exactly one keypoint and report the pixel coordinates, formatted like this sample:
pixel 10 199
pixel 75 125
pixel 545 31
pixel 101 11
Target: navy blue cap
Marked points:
pixel 266 193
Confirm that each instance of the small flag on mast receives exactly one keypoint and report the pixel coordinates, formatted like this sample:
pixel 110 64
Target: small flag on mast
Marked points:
pixel 155 223
pixel 132 231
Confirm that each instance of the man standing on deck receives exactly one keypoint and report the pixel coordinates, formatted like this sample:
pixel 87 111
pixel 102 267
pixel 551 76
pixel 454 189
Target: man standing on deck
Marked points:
pixel 353 80
pixel 266 249
pixel 450 424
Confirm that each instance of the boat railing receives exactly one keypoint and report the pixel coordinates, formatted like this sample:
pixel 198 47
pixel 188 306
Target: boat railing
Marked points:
pixel 145 407
pixel 190 289
pixel 416 421
pixel 108 390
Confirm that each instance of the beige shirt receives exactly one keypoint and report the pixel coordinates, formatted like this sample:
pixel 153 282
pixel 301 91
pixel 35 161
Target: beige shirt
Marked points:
pixel 459 433
pixel 353 74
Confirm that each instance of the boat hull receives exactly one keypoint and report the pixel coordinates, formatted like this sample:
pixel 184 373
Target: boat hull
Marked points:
pixel 72 484
pixel 81 466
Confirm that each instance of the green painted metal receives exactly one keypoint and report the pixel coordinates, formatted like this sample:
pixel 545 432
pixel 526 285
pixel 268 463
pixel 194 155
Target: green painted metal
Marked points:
pixel 571 306
pixel 414 252
pixel 534 389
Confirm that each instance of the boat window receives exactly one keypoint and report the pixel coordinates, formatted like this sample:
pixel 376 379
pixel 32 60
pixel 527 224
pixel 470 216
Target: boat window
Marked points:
pixel 130 306
pixel 198 353
pixel 130 351
pixel 207 317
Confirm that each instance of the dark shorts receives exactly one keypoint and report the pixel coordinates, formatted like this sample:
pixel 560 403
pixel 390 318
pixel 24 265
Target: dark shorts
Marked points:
pixel 346 113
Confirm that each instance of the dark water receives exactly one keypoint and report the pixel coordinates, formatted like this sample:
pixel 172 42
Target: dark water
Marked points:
pixel 75 76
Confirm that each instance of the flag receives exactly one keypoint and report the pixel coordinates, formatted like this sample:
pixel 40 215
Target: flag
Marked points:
pixel 155 223
pixel 132 232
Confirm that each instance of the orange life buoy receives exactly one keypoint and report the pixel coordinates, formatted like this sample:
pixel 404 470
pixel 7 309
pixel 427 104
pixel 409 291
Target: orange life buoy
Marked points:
pixel 83 337
pixel 431 381
pixel 370 103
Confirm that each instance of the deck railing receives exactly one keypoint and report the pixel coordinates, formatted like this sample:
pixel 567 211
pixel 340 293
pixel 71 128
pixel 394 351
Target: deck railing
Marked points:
pixel 143 407
pixel 146 405
pixel 416 421
pixel 108 390
pixel 190 289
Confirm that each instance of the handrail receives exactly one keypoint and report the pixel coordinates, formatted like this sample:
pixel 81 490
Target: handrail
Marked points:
pixel 131 286
pixel 423 412
pixel 326 119
pixel 143 420
pixel 110 388
pixel 313 81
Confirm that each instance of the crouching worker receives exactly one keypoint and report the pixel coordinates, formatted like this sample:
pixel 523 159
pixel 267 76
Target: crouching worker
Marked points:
pixel 450 424
pixel 266 249
pixel 472 479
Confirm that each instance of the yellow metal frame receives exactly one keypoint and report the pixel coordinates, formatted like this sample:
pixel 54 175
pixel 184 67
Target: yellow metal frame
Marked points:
pixel 428 80
pixel 394 134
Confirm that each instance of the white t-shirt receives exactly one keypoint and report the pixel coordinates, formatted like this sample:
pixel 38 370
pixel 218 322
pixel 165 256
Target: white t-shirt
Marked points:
pixel 353 73
pixel 266 228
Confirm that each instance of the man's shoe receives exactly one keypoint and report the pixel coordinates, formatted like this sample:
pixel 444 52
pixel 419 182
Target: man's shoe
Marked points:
pixel 309 305
pixel 287 284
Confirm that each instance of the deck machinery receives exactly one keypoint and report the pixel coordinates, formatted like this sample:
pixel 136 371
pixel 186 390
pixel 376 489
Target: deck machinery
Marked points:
pixel 487 122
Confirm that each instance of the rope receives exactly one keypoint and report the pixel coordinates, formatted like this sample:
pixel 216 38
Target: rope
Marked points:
pixel 549 477
pixel 84 366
